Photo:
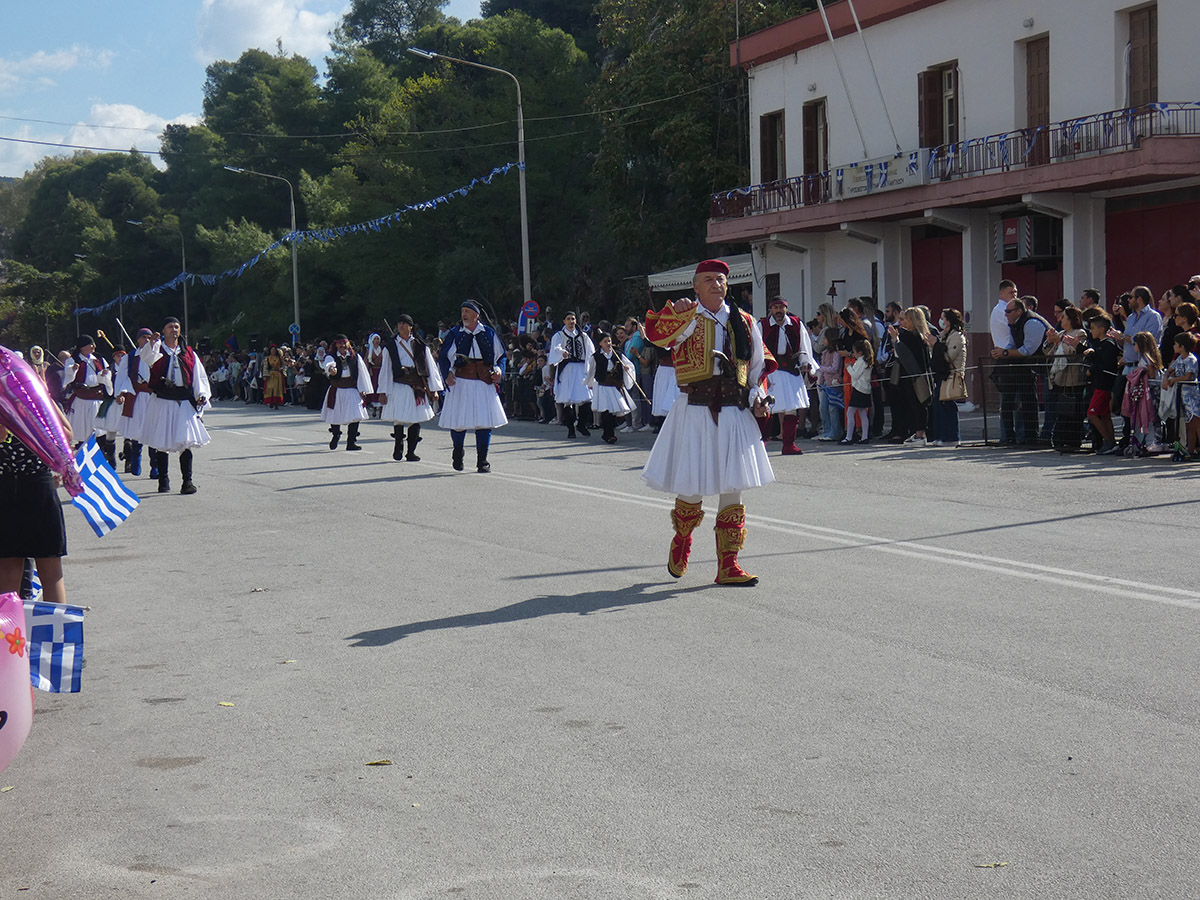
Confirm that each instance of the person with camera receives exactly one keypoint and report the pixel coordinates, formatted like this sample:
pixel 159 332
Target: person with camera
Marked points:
pixel 472 362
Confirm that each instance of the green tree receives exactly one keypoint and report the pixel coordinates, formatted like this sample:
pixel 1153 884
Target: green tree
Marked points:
pixel 384 27
pixel 676 131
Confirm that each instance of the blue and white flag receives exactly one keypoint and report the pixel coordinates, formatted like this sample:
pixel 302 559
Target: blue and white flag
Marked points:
pixel 55 646
pixel 105 502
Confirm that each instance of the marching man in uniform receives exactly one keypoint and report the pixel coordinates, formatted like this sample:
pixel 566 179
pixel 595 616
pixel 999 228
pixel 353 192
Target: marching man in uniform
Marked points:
pixel 787 339
pixel 349 384
pixel 87 380
pixel 407 379
pixel 472 361
pixel 133 391
pixel 179 393
pixel 570 354
pixel 709 443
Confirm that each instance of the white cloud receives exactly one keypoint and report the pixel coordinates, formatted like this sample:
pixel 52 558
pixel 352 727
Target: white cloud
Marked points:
pixel 110 126
pixel 226 28
pixel 120 126
pixel 16 159
pixel 40 68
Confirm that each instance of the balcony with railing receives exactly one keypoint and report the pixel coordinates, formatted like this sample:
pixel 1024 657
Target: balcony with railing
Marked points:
pixel 1116 131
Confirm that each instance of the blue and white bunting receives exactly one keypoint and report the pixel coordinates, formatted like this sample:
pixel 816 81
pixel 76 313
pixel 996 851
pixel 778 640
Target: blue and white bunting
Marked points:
pixel 323 235
pixel 105 502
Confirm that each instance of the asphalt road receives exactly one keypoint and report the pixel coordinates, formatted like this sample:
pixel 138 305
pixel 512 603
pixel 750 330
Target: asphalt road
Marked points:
pixel 966 674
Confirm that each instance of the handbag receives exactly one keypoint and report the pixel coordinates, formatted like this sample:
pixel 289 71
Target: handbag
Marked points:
pixel 954 388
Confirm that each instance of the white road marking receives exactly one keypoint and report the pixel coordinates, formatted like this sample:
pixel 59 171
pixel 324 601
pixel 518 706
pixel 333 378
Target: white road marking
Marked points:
pixel 1104 584
pixel 1088 581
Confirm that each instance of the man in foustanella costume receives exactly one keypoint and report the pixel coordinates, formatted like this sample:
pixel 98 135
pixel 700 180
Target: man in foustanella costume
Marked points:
pixel 787 339
pixel 408 379
pixel 709 443
pixel 472 361
pixel 349 384
pixel 179 393
pixel 133 391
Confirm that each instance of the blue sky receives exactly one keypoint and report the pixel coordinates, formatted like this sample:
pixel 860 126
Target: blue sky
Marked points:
pixel 113 74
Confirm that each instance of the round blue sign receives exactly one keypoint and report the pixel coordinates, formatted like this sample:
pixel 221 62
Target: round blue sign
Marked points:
pixel 531 309
pixel 293 328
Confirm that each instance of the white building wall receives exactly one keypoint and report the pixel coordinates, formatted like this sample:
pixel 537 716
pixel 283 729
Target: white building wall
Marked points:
pixel 986 37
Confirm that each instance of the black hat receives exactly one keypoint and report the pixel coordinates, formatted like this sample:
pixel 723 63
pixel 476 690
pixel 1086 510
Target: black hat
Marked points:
pixel 170 320
pixel 471 304
pixel 82 341
pixel 405 318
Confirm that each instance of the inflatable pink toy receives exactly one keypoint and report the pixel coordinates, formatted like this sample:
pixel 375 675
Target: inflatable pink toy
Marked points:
pixel 28 412
pixel 16 696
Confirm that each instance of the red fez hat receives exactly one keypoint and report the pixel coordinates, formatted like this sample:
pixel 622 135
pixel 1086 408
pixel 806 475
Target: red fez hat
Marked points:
pixel 713 265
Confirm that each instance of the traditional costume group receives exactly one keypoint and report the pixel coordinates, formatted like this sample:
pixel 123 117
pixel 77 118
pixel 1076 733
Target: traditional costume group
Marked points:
pixel 472 362
pixel 710 443
pixel 349 385
pixel 408 381
pixel 179 392
pixel 788 340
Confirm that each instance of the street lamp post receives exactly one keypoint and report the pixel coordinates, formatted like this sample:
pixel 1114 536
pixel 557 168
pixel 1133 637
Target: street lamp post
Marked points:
pixel 429 54
pixel 295 270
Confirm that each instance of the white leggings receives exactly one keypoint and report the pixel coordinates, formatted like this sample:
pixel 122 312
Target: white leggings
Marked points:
pixel 864 418
pixel 731 499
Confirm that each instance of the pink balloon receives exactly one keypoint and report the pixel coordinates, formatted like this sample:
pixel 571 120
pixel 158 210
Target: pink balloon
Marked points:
pixel 28 412
pixel 16 696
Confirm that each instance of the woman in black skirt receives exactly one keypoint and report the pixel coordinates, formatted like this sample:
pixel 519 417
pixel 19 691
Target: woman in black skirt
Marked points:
pixel 31 525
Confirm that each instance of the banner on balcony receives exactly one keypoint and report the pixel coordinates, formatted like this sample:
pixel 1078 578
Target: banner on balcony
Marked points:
pixel 323 235
pixel 874 176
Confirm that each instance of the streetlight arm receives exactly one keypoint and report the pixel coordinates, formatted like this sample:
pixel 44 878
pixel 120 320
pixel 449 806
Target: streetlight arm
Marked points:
pixel 429 54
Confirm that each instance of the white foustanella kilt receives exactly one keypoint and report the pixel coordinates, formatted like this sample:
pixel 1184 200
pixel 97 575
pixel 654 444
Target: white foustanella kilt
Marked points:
pixel 83 417
pixel 665 391
pixel 471 404
pixel 693 456
pixel 790 391
pixel 347 407
pixel 133 426
pixel 612 400
pixel 173 425
pixel 110 422
pixel 402 406
pixel 569 384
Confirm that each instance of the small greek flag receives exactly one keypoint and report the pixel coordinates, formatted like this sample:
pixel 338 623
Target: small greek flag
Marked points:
pixel 105 502
pixel 55 633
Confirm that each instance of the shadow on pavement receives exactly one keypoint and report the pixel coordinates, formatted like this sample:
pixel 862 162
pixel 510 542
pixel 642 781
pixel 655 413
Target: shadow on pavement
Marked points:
pixel 583 604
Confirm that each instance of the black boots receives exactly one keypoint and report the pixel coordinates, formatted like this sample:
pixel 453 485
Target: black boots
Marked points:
pixel 609 423
pixel 108 448
pixel 164 480
pixel 456 458
pixel 336 431
pixel 585 418
pixel 352 436
pixel 185 472
pixel 414 438
pixel 569 414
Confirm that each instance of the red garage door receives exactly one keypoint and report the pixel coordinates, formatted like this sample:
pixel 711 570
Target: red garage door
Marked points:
pixel 1152 242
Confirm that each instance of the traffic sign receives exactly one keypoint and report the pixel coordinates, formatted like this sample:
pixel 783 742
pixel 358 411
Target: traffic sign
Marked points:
pixel 531 309
pixel 294 329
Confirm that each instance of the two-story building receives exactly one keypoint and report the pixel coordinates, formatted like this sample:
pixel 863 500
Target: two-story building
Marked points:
pixel 921 150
